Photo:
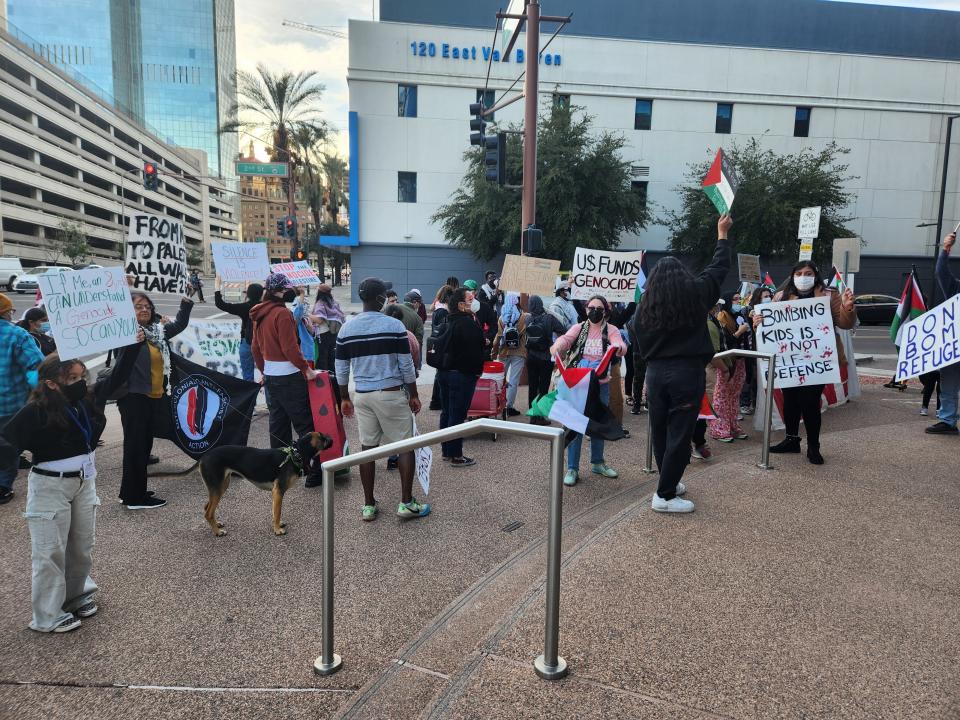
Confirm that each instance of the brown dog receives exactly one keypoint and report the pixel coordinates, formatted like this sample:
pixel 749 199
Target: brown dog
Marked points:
pixel 273 470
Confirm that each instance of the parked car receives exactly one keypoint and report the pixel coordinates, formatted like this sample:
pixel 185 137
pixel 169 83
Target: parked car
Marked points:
pixel 10 270
pixel 876 309
pixel 28 281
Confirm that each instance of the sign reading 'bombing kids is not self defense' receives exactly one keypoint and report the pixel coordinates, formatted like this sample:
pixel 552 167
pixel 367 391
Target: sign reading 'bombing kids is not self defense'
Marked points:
pixel 156 254
pixel 800 333
pixel 602 272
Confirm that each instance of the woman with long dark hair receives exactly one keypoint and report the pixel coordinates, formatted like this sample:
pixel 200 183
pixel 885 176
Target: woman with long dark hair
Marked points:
pixel 672 337
pixel 465 350
pixel 36 322
pixel 805 282
pixel 254 294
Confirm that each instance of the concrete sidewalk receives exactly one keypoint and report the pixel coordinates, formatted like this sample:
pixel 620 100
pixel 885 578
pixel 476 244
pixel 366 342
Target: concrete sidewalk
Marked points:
pixel 798 592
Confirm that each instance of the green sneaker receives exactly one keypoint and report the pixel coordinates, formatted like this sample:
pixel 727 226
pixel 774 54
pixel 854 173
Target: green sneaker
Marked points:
pixel 570 478
pixel 413 509
pixel 369 512
pixel 604 469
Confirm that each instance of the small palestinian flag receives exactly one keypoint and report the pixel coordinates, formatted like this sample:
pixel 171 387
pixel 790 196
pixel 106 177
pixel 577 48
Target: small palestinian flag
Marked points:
pixel 768 281
pixel 721 183
pixel 836 282
pixel 641 279
pixel 706 410
pixel 576 403
pixel 911 306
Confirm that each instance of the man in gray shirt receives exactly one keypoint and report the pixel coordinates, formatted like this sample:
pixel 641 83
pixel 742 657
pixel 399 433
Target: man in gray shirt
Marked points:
pixel 375 348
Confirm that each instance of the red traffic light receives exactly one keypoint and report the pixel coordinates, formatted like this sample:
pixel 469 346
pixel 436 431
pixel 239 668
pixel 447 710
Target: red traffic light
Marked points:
pixel 149 168
pixel 300 255
pixel 289 223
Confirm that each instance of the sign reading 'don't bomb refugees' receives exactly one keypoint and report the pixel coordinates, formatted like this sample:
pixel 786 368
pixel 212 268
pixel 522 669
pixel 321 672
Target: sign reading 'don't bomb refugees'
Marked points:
pixel 931 341
pixel 800 333
pixel 156 254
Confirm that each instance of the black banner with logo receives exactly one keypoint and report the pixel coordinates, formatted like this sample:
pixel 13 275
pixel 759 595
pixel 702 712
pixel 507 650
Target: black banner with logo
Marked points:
pixel 208 409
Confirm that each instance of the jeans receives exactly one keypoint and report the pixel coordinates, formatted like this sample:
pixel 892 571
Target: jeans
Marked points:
pixel 513 366
pixel 246 361
pixel 803 402
pixel 8 473
pixel 596 443
pixel 456 394
pixel 674 392
pixel 61 515
pixel 949 391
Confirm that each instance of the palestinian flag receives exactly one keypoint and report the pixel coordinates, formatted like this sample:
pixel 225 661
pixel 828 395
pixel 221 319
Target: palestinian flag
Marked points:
pixel 641 279
pixel 836 282
pixel 768 281
pixel 911 306
pixel 706 410
pixel 576 403
pixel 721 183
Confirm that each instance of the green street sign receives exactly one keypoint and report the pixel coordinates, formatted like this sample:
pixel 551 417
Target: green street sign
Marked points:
pixel 262 239
pixel 254 168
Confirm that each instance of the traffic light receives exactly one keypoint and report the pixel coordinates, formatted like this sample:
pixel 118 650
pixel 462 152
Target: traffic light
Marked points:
pixel 495 157
pixel 290 227
pixel 296 253
pixel 477 124
pixel 150 179
pixel 531 240
pixel 281 230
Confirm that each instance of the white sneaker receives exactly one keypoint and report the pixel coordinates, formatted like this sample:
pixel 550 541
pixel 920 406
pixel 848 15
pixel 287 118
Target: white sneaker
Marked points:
pixel 675 505
pixel 923 411
pixel 681 489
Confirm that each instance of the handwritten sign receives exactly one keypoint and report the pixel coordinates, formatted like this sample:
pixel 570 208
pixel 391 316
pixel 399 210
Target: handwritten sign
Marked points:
pixel 240 262
pixel 800 333
pixel 535 276
pixel 601 272
pixel 931 341
pixel 809 223
pixel 90 311
pixel 749 268
pixel 299 272
pixel 156 254
pixel 214 344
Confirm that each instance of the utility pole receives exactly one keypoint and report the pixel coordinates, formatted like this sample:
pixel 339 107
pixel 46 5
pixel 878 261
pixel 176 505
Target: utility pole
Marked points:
pixel 943 195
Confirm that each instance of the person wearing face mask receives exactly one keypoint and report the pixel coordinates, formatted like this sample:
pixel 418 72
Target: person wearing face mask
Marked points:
pixel 277 354
pixel 510 346
pixel 561 307
pixel 485 315
pixel 242 310
pixel 730 373
pixel 61 425
pixel 748 396
pixel 804 401
pixel 584 345
pixel 36 323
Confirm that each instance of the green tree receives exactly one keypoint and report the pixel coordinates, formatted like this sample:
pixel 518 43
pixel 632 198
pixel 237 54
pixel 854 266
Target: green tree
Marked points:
pixel 70 241
pixel 766 211
pixel 584 196
pixel 195 258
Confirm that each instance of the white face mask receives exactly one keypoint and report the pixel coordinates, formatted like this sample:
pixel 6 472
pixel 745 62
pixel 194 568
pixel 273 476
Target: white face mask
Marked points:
pixel 474 306
pixel 803 282
pixel 766 300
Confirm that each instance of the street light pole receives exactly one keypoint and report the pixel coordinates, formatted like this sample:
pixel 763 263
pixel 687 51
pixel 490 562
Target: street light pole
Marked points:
pixel 943 195
pixel 531 82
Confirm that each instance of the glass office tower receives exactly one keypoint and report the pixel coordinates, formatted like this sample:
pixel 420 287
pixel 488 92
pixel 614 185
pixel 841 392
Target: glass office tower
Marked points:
pixel 168 64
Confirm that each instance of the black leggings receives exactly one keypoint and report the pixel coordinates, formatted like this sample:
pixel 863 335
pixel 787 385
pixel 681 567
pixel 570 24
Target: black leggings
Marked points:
pixel 538 377
pixel 639 377
pixel 803 402
pixel 931 382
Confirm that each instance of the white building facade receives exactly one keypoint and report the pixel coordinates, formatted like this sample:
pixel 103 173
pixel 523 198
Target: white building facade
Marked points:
pixel 675 102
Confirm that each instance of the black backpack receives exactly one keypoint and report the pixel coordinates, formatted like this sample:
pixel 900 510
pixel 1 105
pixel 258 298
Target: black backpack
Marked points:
pixel 510 337
pixel 438 346
pixel 538 333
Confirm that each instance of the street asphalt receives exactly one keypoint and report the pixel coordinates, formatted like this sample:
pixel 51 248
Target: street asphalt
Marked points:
pixel 796 592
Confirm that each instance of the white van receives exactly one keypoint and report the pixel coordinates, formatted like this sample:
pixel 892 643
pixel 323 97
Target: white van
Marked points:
pixel 28 281
pixel 10 269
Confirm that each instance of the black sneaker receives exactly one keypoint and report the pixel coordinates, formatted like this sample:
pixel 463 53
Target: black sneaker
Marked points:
pixel 789 444
pixel 313 481
pixel 636 409
pixel 148 503
pixel 462 462
pixel 393 462
pixel 153 460
pixel 513 412
pixel 87 610
pixel 941 428
pixel 814 456
pixel 6 495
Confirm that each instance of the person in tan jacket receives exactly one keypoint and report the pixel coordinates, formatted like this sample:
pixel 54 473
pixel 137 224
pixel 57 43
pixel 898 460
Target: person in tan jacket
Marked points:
pixel 806 282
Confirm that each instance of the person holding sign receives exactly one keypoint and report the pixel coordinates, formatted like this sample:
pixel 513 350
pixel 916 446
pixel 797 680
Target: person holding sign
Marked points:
pixel 242 310
pixel 950 374
pixel 803 401
pixel 671 332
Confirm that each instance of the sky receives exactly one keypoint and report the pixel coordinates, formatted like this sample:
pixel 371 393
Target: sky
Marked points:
pixel 262 38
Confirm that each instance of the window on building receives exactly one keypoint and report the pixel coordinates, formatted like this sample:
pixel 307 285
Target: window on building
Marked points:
pixel 642 114
pixel 488 99
pixel 406 187
pixel 724 118
pixel 640 188
pixel 407 101
pixel 801 122
pixel 561 102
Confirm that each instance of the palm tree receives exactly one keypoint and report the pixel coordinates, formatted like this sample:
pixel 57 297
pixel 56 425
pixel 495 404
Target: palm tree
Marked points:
pixel 335 171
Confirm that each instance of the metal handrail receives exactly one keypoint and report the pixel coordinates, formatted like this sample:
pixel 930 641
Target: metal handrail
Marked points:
pixel 549 665
pixel 767 410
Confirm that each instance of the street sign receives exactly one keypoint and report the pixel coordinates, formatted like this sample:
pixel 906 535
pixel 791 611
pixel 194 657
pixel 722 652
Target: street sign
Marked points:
pixel 847 245
pixel 806 250
pixel 271 169
pixel 749 266
pixel 261 239
pixel 809 223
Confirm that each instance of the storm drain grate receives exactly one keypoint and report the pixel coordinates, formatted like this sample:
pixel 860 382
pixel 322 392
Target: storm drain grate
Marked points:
pixel 516 525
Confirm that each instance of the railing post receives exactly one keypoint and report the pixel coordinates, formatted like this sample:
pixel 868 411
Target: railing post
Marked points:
pixel 328 662
pixel 648 465
pixel 768 414
pixel 550 666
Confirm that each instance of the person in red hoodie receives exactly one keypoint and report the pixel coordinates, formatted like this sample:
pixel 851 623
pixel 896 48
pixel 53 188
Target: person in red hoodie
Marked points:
pixel 276 352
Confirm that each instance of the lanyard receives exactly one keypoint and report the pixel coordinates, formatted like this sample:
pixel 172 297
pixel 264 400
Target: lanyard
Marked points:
pixel 80 418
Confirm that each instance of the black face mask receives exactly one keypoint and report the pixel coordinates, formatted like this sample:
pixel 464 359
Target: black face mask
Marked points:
pixel 75 392
pixel 595 315
pixel 289 296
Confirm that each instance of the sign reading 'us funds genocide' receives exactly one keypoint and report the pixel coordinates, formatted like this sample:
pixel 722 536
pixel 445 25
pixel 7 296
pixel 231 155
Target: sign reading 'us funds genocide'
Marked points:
pixel 601 272
pixel 931 341
pixel 800 333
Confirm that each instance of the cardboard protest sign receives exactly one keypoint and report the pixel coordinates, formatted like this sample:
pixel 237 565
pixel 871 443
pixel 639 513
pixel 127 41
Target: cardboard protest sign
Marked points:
pixel 535 276
pixel 156 254
pixel 215 344
pixel 749 268
pixel 299 272
pixel 240 262
pixel 90 311
pixel 931 341
pixel 721 183
pixel 602 272
pixel 809 223
pixel 800 333
pixel 846 254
